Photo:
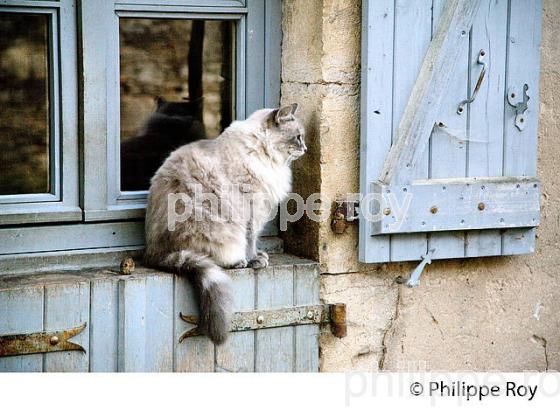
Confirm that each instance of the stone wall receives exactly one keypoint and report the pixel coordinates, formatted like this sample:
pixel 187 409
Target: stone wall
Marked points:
pixel 480 314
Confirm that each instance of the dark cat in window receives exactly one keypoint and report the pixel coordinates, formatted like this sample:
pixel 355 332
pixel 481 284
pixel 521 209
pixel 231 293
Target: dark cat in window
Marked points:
pixel 170 126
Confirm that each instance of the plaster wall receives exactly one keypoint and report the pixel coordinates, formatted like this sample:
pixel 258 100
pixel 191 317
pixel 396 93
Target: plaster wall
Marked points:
pixel 480 314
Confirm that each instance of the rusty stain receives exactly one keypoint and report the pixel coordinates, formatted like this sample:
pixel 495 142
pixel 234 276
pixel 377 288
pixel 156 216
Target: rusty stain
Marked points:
pixel 40 342
pixel 338 319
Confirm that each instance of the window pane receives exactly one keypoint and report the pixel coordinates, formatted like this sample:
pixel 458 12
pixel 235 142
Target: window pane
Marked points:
pixel 24 116
pixel 176 87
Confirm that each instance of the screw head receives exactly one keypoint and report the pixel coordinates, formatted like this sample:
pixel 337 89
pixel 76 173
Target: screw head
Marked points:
pixel 481 206
pixel 310 315
pixel 387 211
pixel 260 319
pixel 54 340
pixel 434 209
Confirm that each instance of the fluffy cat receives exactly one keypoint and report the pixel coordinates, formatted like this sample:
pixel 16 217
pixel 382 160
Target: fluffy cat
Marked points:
pixel 170 126
pixel 249 163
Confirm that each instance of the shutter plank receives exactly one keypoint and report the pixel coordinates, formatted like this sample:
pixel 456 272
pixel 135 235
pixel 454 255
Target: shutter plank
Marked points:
pixel 194 354
pixel 306 292
pixel 21 311
pixel 454 204
pixel 520 147
pixel 159 323
pixel 376 112
pixel 132 324
pixel 104 325
pixel 275 347
pixel 486 115
pixel 67 306
pixel 237 354
pixel 413 30
pixel 448 153
pixel 146 322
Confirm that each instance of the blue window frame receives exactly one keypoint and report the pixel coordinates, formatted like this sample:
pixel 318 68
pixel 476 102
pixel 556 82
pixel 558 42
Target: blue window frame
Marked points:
pixel 60 202
pixel 89 208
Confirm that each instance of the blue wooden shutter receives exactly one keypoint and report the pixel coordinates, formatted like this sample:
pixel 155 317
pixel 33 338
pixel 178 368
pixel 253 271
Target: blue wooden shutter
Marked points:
pixel 469 174
pixel 132 323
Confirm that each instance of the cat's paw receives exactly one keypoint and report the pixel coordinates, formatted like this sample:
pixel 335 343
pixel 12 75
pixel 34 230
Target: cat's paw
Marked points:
pixel 263 254
pixel 259 262
pixel 239 265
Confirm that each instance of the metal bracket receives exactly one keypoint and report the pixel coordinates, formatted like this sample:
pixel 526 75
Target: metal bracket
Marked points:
pixel 414 279
pixel 520 106
pixel 334 314
pixel 40 342
pixel 481 61
pixel 345 213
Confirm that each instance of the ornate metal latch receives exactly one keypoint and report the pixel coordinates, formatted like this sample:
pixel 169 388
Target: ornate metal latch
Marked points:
pixel 334 314
pixel 520 106
pixel 40 342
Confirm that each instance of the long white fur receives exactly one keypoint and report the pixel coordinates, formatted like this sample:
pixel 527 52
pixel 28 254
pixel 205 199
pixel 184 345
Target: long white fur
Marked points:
pixel 255 153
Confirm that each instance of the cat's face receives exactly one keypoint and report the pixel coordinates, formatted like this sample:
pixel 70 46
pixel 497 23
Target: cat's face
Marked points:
pixel 286 133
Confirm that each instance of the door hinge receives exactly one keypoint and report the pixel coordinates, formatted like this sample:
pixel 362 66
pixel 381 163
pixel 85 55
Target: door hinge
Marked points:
pixel 40 342
pixel 345 213
pixel 333 314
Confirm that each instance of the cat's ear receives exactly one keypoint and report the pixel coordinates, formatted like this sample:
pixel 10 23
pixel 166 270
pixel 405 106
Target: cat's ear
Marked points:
pixel 285 113
pixel 159 101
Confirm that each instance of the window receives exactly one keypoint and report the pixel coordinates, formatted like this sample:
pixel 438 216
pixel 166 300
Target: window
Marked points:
pixel 24 72
pixel 199 78
pixel 35 127
pixel 78 81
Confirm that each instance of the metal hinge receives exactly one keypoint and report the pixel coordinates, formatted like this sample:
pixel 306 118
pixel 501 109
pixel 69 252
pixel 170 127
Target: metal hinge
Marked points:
pixel 345 213
pixel 334 314
pixel 40 342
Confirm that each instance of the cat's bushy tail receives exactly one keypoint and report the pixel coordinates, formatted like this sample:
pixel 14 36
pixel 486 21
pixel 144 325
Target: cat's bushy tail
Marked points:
pixel 212 287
